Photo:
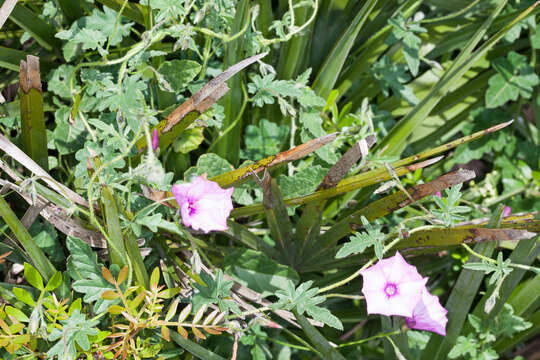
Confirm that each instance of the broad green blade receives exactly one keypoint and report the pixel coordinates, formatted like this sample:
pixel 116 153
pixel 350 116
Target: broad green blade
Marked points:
pixel 115 240
pixel 34 135
pixel 330 70
pixel 34 253
pixel 41 31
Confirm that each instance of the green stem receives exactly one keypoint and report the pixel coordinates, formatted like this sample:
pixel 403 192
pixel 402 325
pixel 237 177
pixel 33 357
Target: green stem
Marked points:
pixel 493 261
pixel 378 336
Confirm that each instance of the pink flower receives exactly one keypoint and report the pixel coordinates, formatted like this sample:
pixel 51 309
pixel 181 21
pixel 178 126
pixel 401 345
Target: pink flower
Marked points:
pixel 392 287
pixel 428 315
pixel 507 211
pixel 155 140
pixel 438 194
pixel 203 204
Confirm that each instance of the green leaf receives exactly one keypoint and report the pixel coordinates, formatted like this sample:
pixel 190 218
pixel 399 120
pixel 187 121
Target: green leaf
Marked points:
pixel 302 182
pixel 68 136
pixel 54 282
pixel 449 211
pixel 24 296
pixel 373 236
pixel 211 164
pixel 465 345
pixel 189 140
pixel 514 78
pixel 179 73
pixel 216 291
pixel 32 276
pixel 76 330
pixel 406 32
pixel 84 269
pixel 304 299
pixel 393 76
pixel 263 140
pixel 258 272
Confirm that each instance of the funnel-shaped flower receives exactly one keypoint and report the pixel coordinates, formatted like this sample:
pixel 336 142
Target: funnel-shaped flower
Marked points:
pixel 392 287
pixel 438 194
pixel 203 204
pixel 507 211
pixel 155 140
pixel 428 315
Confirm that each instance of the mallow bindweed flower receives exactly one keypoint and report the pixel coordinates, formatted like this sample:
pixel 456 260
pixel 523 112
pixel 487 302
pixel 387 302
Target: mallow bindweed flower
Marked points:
pixel 438 194
pixel 507 211
pixel 203 204
pixel 392 287
pixel 428 315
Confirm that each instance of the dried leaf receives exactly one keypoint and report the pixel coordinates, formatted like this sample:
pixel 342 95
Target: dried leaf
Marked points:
pixel 198 333
pixel 183 333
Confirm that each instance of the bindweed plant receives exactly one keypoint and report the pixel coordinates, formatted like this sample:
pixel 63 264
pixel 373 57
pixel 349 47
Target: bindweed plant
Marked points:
pixel 256 179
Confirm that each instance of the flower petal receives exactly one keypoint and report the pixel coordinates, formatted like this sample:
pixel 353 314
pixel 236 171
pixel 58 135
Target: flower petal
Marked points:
pixel 429 315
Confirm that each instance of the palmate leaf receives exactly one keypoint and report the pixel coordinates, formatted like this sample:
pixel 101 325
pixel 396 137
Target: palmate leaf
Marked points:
pixel 406 32
pixel 216 291
pixel 373 236
pixel 514 78
pixel 303 299
pixel 75 331
pixel 84 269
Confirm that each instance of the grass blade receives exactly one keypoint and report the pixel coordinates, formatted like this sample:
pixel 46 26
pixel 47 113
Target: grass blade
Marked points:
pixel 34 253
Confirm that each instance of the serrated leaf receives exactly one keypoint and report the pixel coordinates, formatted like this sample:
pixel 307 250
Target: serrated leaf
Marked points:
pixel 189 140
pixel 514 78
pixel 211 164
pixel 259 272
pixel 179 73
pixel 263 140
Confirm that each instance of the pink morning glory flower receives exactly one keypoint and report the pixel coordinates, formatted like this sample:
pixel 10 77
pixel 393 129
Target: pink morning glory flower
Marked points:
pixel 428 315
pixel 507 211
pixel 155 140
pixel 203 204
pixel 438 194
pixel 392 287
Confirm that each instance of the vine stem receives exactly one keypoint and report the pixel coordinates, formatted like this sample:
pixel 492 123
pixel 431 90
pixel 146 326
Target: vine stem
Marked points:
pixel 493 261
pixel 357 273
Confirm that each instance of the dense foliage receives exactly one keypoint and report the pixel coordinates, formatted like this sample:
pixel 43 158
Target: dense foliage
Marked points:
pixel 269 179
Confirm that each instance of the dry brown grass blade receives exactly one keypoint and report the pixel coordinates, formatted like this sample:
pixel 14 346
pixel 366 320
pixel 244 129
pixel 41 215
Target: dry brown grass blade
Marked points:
pixel 236 177
pixel 60 219
pixel 338 171
pixel 5 10
pixel 13 151
pixel 209 93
